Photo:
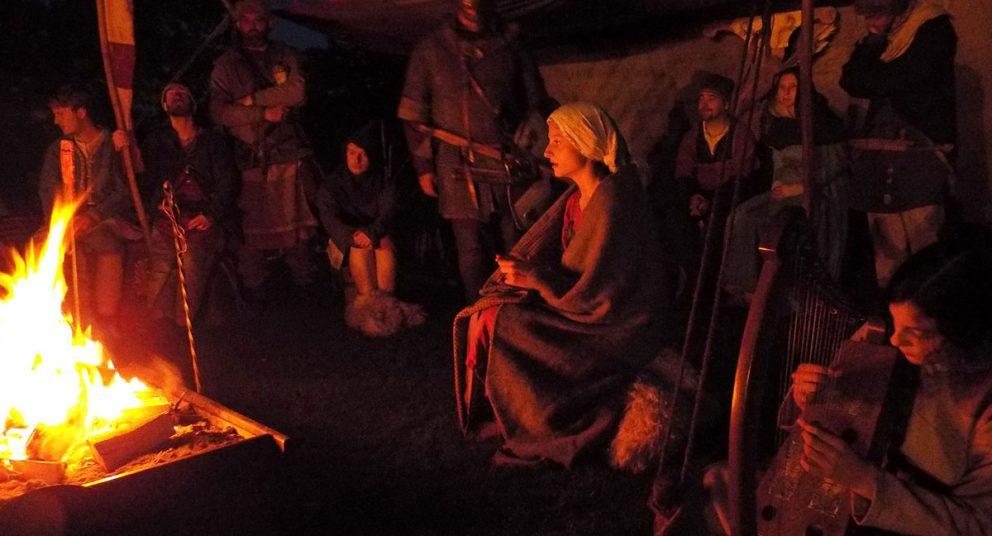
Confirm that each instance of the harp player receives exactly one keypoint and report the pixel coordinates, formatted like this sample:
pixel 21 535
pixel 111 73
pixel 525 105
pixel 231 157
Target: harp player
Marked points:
pixel 939 479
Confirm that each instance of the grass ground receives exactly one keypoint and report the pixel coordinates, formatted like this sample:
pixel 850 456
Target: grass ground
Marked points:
pixel 375 443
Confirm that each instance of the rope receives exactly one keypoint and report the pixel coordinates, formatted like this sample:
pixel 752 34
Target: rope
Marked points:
pixel 756 62
pixel 694 311
pixel 179 242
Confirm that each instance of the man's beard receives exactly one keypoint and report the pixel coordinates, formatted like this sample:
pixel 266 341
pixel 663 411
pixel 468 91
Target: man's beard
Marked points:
pixel 254 39
pixel 179 109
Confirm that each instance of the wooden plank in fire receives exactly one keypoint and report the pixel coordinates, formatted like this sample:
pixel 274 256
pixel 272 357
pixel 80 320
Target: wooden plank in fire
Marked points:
pixel 47 472
pixel 115 450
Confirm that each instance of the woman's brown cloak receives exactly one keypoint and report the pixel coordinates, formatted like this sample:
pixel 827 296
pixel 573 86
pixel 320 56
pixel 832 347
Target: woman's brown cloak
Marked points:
pixel 562 357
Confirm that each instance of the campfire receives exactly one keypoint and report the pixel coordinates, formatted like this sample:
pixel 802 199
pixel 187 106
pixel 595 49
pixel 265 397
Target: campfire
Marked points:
pixel 121 451
pixel 59 392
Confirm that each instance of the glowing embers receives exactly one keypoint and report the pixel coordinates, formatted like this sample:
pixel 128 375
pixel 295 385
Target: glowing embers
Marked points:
pixel 57 387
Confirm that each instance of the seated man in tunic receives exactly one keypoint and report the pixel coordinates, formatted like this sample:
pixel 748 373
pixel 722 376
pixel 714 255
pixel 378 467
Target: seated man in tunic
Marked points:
pixel 573 312
pixel 85 162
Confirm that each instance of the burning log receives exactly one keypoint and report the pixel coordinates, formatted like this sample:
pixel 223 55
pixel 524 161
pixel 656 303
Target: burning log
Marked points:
pixel 116 449
pixel 48 472
pixel 50 443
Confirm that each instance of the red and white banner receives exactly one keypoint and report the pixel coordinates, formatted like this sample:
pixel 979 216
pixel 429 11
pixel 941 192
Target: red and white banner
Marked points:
pixel 117 30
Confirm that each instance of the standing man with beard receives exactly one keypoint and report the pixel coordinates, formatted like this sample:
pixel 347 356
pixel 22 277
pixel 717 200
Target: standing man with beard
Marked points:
pixel 198 167
pixel 256 89
pixel 470 86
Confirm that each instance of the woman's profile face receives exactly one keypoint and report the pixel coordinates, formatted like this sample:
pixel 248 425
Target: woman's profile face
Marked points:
pixel 356 159
pixel 915 333
pixel 785 93
pixel 565 159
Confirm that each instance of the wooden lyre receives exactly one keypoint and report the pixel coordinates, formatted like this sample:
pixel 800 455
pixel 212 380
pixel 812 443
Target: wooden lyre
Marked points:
pixel 797 316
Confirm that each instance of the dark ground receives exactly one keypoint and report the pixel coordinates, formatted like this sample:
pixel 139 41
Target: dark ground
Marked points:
pixel 375 447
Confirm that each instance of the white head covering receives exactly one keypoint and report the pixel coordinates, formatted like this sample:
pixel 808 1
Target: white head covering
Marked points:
pixel 593 132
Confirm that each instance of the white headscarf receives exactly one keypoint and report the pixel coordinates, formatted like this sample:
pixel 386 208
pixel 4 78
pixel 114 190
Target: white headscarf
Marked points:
pixel 593 132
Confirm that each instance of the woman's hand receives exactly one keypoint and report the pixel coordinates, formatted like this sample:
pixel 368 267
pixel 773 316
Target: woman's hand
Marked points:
pixel 361 240
pixel 807 380
pixel 274 114
pixel 518 272
pixel 833 457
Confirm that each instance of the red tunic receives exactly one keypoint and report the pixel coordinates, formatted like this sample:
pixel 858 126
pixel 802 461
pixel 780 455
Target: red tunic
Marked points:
pixel 480 327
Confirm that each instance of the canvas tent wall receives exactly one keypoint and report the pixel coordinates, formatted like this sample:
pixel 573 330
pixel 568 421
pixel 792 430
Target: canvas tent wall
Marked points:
pixel 638 59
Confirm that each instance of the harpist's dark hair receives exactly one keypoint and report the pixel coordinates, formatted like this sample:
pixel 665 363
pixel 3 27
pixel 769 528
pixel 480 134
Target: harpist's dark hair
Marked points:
pixel 952 283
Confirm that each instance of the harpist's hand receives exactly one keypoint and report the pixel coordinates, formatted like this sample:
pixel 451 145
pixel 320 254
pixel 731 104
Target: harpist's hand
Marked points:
pixel 807 380
pixel 518 272
pixel 830 455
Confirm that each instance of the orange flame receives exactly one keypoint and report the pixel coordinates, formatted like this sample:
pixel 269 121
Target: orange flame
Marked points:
pixel 53 379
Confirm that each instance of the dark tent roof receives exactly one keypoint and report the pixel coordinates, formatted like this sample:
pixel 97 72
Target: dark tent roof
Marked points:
pixel 393 25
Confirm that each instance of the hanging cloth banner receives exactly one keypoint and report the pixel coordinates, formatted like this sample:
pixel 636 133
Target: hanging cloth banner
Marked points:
pixel 116 21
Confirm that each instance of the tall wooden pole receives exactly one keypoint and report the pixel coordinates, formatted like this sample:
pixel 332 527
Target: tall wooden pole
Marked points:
pixel 122 124
pixel 806 100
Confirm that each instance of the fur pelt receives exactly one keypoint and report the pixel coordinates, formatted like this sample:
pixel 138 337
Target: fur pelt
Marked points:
pixel 648 414
pixel 380 314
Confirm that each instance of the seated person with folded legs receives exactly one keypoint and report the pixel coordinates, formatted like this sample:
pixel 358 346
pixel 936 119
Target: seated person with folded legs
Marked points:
pixel 357 204
pixel 573 313
pixel 85 162
pixel 779 134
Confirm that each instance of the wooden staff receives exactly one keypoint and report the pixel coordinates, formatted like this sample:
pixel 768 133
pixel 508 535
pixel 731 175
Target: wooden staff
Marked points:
pixel 67 165
pixel 122 124
pixel 806 100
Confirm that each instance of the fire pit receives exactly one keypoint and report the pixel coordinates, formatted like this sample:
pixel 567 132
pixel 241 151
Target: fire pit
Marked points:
pixel 83 450
pixel 241 469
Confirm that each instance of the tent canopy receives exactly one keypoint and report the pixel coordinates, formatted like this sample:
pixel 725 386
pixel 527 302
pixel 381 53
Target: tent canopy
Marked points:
pixel 393 25
pixel 638 59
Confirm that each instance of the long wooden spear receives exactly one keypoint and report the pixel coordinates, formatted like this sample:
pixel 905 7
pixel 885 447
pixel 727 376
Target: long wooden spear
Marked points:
pixel 806 100
pixel 121 62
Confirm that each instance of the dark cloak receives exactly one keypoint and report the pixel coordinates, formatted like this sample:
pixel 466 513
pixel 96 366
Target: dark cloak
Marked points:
pixel 562 357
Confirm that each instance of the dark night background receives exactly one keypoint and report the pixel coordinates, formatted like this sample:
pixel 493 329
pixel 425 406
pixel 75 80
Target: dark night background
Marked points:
pixel 46 43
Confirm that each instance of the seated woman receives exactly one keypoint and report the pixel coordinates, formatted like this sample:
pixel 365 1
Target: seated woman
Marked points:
pixel 940 480
pixel 574 311
pixel 357 204
pixel 779 134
